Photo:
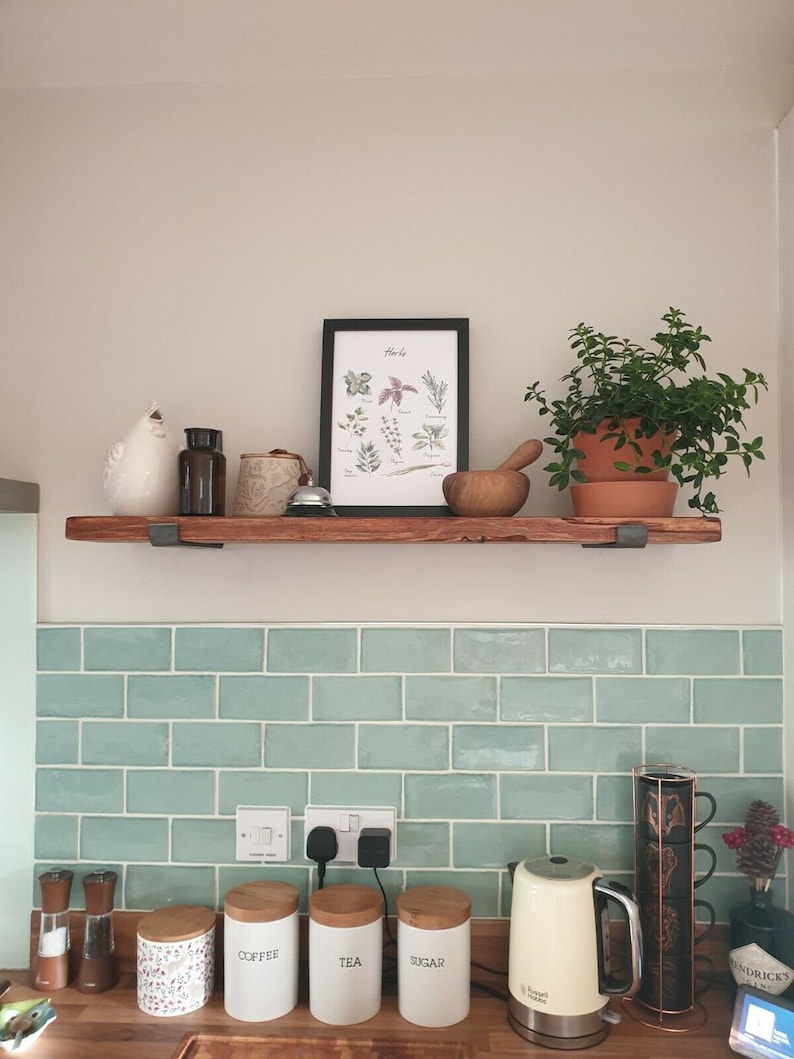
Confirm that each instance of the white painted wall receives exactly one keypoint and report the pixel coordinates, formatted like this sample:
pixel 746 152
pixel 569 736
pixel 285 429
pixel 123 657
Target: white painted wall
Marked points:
pixel 185 241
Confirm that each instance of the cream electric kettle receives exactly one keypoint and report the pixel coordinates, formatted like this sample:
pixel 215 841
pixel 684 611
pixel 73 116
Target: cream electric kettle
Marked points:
pixel 560 975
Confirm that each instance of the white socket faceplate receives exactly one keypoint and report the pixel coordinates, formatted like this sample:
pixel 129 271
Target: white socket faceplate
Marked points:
pixel 348 823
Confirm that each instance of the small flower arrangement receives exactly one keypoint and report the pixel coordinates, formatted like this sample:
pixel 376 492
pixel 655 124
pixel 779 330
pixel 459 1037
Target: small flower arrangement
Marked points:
pixel 759 844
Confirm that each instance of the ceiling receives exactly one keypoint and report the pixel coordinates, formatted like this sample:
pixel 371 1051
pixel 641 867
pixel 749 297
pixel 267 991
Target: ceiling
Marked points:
pixel 91 42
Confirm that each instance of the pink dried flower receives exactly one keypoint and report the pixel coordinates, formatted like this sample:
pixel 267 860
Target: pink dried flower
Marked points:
pixel 736 838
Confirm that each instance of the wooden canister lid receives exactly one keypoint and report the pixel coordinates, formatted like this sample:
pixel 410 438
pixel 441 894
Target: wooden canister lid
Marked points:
pixel 261 902
pixel 347 905
pixel 433 907
pixel 176 923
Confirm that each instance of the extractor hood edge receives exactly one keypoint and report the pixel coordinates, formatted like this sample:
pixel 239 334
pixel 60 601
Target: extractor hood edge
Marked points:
pixel 18 497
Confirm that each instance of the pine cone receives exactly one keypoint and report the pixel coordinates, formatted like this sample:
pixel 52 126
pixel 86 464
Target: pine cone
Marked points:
pixel 758 856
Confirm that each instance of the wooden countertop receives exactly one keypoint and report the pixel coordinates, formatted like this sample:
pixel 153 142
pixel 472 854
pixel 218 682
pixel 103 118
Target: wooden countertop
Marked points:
pixel 111 1026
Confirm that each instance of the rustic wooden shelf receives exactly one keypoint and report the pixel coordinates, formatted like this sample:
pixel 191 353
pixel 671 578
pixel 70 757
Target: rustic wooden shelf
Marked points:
pixel 202 530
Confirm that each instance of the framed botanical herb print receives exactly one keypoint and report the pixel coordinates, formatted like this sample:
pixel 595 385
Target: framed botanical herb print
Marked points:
pixel 394 413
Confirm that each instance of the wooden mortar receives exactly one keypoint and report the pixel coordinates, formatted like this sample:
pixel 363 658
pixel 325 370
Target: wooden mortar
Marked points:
pixel 490 494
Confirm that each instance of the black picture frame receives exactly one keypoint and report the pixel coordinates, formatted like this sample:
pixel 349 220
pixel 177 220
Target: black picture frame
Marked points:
pixel 394 413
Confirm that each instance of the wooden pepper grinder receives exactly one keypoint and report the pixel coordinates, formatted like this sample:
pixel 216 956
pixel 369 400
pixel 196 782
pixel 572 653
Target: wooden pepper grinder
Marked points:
pixel 98 969
pixel 52 962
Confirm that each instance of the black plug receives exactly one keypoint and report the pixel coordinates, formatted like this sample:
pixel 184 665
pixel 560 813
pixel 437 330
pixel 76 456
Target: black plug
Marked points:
pixel 321 846
pixel 374 847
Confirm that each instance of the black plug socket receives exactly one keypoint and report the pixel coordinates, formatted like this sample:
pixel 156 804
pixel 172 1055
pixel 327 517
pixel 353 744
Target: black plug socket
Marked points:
pixel 374 847
pixel 321 844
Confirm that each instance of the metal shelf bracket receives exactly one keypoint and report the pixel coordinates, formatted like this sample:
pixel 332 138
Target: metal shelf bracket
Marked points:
pixel 166 535
pixel 626 536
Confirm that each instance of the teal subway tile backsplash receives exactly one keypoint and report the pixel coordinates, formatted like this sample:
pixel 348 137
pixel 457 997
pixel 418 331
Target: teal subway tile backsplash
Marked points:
pixel 57 742
pixel 493 845
pixel 263 698
pixel 130 838
pixel 124 743
pixel 614 797
pixel 322 650
pixel 546 797
pixel 404 746
pixel 148 886
pixel 310 746
pixel 79 695
pixel 207 649
pixel 262 787
pixel 634 700
pixel 546 699
pixel 219 744
pixel 702 749
pixel 499 651
pixel 492 743
pixel 609 651
pixel 171 696
pixel 125 649
pixel 498 747
pixel 612 748
pixel 423 845
pixel 760 753
pixel 450 698
pixel 79 790
pixel 762 652
pixel 358 698
pixel 450 797
pixel 693 651
pixel 202 840
pixel 56 838
pixel 353 787
pixel 179 791
pixel 406 650
pixel 728 701
pixel 58 649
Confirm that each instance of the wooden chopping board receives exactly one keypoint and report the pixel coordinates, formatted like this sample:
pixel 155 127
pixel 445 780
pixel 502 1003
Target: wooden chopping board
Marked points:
pixel 216 1046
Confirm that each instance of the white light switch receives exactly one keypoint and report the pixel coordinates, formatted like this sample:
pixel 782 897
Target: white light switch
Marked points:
pixel 263 834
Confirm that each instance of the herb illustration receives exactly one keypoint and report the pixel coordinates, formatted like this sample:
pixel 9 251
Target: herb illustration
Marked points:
pixel 436 391
pixel 354 423
pixel 431 437
pixel 391 433
pixel 367 458
pixel 394 392
pixel 357 382
pixel 417 467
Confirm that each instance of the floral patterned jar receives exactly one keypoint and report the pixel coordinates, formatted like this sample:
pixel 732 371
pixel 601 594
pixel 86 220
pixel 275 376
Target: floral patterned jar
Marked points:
pixel 176 959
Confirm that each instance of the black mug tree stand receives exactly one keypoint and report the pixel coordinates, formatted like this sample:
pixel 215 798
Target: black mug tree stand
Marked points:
pixel 664 799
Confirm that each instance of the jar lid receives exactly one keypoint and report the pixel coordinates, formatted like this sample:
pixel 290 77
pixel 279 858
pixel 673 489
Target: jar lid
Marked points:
pixel 203 437
pixel 176 923
pixel 346 905
pixel 433 907
pixel 261 902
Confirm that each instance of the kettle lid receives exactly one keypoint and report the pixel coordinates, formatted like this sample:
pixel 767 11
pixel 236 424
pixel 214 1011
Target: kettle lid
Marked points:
pixel 558 867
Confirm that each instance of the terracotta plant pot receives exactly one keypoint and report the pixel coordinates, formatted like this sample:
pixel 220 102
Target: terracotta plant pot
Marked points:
pixel 601 456
pixel 632 499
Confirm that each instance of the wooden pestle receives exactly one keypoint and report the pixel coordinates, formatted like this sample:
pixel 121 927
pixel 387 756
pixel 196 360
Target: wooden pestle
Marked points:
pixel 526 453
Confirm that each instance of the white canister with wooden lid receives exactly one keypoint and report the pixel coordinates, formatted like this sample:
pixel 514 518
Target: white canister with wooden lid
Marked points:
pixel 260 951
pixel 176 959
pixel 345 954
pixel 434 955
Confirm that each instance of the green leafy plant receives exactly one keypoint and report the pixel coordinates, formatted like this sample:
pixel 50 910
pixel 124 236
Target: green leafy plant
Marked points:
pixel 615 380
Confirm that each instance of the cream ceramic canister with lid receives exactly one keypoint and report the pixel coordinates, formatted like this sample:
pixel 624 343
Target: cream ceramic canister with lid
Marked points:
pixel 266 481
pixel 176 959
pixel 140 473
pixel 260 959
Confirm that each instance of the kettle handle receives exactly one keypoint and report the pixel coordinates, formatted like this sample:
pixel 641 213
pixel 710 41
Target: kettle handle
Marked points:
pixel 603 893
